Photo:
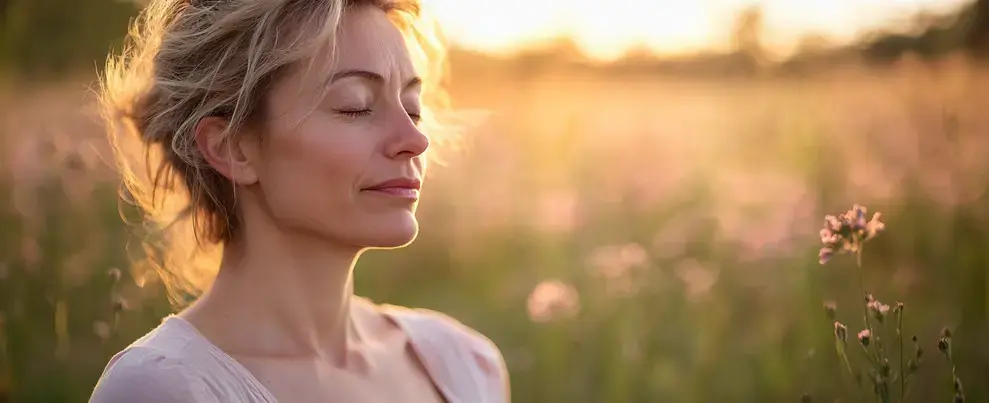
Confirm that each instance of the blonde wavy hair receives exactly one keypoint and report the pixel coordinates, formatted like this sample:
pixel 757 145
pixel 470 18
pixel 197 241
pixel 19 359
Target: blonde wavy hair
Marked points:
pixel 184 60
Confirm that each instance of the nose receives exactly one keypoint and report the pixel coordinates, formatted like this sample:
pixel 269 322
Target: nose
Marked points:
pixel 407 139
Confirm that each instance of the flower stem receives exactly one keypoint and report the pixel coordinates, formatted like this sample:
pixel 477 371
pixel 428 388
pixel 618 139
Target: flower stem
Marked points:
pixel 899 336
pixel 848 365
pixel 858 260
pixel 844 357
pixel 869 355
pixel 865 308
pixel 874 354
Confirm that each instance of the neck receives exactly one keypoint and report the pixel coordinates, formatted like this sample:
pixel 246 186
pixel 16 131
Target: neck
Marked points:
pixel 280 294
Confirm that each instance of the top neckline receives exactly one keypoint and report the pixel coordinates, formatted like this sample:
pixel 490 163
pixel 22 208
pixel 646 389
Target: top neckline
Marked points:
pixel 385 309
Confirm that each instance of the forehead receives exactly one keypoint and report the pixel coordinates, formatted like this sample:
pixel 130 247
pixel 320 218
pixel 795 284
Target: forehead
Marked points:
pixel 369 40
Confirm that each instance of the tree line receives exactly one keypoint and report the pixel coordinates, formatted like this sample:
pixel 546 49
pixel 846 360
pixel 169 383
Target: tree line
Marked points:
pixel 44 38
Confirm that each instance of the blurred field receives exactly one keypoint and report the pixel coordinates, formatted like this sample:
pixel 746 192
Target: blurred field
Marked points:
pixel 622 237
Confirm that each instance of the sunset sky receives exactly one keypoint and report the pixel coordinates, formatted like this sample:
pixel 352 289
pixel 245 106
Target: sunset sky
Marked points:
pixel 607 28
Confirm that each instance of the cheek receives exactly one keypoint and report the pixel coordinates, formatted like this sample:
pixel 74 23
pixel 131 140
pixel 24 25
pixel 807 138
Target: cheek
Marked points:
pixel 313 171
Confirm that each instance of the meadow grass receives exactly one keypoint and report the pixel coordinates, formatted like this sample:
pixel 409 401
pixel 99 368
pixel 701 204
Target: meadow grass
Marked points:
pixel 622 238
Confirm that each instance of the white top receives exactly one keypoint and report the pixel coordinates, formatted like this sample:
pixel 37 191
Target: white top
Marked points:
pixel 175 363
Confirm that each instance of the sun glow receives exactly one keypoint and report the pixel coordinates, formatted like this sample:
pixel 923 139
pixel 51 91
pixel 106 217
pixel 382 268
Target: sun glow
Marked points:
pixel 608 29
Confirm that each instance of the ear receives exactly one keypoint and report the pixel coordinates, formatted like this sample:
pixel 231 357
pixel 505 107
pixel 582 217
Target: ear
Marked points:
pixel 222 154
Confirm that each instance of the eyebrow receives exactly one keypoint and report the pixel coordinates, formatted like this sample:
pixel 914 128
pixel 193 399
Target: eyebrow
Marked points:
pixel 371 76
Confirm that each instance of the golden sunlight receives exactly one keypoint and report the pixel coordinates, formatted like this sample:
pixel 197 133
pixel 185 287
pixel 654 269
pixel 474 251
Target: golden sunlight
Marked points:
pixel 608 29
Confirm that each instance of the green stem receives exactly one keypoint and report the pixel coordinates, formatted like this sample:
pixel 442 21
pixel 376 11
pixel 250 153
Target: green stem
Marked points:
pixel 840 347
pixel 907 392
pixel 847 364
pixel 899 336
pixel 954 374
pixel 874 355
pixel 870 356
pixel 865 308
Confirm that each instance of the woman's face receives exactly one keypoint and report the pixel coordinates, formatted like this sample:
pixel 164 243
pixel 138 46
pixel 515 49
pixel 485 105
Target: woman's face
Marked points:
pixel 350 168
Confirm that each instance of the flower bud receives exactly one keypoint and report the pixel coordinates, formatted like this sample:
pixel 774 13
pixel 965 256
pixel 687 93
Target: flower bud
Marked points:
pixel 944 346
pixel 114 275
pixel 830 309
pixel 878 309
pixel 119 304
pixel 865 337
pixel 840 332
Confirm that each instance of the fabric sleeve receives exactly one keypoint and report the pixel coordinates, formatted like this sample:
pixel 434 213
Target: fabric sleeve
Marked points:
pixel 147 376
pixel 487 355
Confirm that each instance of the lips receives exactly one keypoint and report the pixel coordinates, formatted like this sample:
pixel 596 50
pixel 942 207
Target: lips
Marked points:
pixel 407 188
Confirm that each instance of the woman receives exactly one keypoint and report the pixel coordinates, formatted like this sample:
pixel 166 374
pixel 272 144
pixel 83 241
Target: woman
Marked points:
pixel 290 131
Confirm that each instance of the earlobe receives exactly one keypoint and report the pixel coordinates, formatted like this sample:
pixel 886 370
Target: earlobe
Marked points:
pixel 222 152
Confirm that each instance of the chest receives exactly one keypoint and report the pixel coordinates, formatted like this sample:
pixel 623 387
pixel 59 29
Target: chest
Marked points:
pixel 396 379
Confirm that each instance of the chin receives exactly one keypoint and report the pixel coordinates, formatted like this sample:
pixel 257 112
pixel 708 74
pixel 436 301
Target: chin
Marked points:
pixel 394 233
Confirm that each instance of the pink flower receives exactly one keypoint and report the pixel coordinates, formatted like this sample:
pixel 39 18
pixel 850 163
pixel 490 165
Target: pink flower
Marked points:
pixel 825 254
pixel 874 226
pixel 552 300
pixel 864 337
pixel 878 309
pixel 847 232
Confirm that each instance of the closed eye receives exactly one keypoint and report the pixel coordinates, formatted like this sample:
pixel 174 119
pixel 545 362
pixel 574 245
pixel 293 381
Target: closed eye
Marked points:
pixel 357 113
pixel 354 113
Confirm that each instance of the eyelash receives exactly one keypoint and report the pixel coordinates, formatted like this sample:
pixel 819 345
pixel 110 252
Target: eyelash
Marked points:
pixel 366 112
pixel 355 113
